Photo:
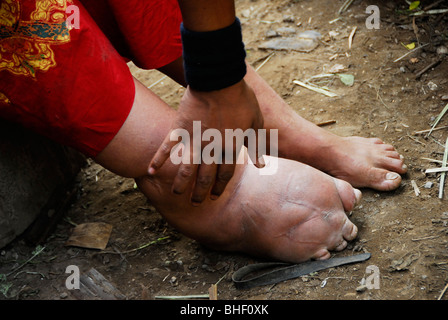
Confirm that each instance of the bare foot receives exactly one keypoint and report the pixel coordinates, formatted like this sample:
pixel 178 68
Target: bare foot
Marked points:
pixel 366 163
pixel 363 162
pixel 294 215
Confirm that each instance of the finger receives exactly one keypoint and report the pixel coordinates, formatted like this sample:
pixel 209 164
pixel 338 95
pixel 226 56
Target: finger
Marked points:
pixel 225 173
pixel 184 178
pixel 257 149
pixel 162 154
pixel 204 181
pixel 261 142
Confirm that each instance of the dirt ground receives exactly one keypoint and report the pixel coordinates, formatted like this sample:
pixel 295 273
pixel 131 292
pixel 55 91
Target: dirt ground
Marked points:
pixel 405 233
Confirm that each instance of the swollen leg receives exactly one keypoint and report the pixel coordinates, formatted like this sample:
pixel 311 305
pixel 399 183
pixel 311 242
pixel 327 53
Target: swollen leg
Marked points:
pixel 296 214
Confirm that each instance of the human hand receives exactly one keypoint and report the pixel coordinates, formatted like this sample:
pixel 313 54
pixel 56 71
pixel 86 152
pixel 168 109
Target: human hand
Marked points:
pixel 234 107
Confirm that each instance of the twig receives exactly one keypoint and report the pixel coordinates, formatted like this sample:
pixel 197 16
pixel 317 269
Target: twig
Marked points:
pixel 431 65
pixel 135 249
pixel 408 53
pixel 345 6
pixel 265 61
pixel 416 189
pixel 435 11
pixel 442 177
pixel 350 38
pixel 425 238
pixel 432 160
pixel 429 130
pixel 436 170
pixel 316 89
pixel 326 123
pixel 443 292
pixel 23 264
pixel 158 81
pixel 416 140
pixel 432 5
pixel 439 117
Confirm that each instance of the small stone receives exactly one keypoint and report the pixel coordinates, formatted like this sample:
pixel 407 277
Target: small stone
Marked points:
pixel 272 34
pixel 432 86
pixel 428 185
pixel 63 295
pixel 442 50
pixel 288 18
pixel 361 288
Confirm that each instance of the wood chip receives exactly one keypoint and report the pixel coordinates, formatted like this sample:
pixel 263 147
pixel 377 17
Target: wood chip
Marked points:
pixel 93 235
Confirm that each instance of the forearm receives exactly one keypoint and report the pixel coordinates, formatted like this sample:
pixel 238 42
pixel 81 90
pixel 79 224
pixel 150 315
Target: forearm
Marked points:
pixel 207 15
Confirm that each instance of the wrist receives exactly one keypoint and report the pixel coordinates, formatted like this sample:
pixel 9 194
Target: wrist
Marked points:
pixel 214 60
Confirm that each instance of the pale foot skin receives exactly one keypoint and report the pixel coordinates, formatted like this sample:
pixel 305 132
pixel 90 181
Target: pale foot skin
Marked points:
pixel 363 162
pixel 294 215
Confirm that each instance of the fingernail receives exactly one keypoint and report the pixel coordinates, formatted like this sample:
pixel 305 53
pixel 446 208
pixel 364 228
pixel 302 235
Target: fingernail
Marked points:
pixel 392 176
pixel 214 196
pixel 151 171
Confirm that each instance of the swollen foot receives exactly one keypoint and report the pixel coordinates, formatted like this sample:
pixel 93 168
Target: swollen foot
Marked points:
pixel 294 215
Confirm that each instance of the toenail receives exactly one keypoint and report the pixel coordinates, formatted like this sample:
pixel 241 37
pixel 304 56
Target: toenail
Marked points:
pixel 404 167
pixel 392 176
pixel 358 196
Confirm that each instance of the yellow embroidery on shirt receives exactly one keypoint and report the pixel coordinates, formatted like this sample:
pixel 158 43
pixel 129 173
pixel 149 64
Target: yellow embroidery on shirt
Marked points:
pixel 25 44
pixel 4 98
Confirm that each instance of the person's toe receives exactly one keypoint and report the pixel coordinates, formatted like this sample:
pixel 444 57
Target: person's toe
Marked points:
pixel 350 197
pixel 322 254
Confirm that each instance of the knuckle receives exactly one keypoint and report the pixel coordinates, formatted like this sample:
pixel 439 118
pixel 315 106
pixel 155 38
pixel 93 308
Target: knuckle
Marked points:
pixel 225 175
pixel 165 149
pixel 204 181
pixel 185 173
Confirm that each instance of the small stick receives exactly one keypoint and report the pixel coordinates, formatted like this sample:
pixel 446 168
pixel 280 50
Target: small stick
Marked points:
pixel 443 292
pixel 136 249
pixel 36 253
pixel 429 130
pixel 265 61
pixel 416 189
pixel 158 81
pixel 425 238
pixel 326 123
pixel 350 38
pixel 442 177
pixel 416 140
pixel 431 65
pixel 345 6
pixel 316 89
pixel 435 11
pixel 436 170
pixel 439 117
pixel 433 5
pixel 432 160
pixel 408 53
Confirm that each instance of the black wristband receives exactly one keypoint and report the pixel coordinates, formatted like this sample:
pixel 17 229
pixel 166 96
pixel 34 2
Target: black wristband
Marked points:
pixel 214 60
